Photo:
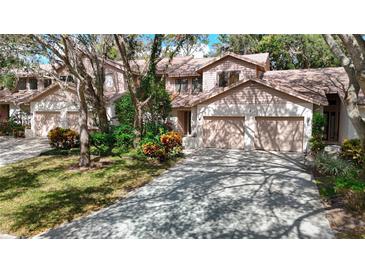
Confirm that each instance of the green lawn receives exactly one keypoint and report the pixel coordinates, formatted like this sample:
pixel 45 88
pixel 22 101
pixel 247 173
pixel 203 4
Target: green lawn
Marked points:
pixel 327 192
pixel 40 193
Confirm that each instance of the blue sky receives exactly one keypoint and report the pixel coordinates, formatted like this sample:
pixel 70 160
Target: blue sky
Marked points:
pixel 213 38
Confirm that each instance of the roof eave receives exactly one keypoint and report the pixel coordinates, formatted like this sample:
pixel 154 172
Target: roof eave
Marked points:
pixel 229 55
pixel 299 96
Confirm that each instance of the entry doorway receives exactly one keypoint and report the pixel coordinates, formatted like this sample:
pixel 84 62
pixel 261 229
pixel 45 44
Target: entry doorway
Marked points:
pixel 331 115
pixel 4 113
pixel 184 120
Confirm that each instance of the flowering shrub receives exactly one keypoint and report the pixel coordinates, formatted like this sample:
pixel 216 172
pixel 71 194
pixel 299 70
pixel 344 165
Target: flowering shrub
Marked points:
pixel 63 138
pixel 170 140
pixel 352 150
pixel 154 150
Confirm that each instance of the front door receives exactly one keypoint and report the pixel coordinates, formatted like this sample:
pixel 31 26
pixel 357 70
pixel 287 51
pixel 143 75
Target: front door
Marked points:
pixel 4 113
pixel 331 115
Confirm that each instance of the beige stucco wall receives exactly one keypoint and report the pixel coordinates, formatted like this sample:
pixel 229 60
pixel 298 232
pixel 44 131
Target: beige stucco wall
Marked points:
pixel 56 100
pixel 346 129
pixel 118 84
pixel 227 64
pixel 274 104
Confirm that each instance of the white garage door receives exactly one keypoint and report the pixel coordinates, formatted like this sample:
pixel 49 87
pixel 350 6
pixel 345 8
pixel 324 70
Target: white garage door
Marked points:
pixel 224 132
pixel 279 133
pixel 45 121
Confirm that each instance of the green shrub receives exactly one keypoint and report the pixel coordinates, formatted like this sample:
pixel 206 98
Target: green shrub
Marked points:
pixel 125 110
pixel 6 128
pixel 352 183
pixel 316 141
pixel 101 143
pixel 123 136
pixel 318 123
pixel 176 152
pixel 328 165
pixel 63 138
pixel 352 150
pixel 316 144
pixel 152 132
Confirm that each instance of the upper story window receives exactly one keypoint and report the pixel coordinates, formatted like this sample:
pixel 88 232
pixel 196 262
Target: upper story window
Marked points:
pixel 197 84
pixel 66 78
pixel 47 82
pixel 227 78
pixel 109 82
pixel 22 84
pixel 33 83
pixel 181 84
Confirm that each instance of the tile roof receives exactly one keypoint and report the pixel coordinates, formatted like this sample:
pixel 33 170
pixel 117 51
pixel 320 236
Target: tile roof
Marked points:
pixel 189 66
pixel 314 83
pixel 310 85
pixel 22 97
pixel 7 96
pixel 258 59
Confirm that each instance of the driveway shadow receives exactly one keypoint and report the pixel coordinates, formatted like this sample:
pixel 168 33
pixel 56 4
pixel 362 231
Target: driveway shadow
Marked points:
pixel 215 194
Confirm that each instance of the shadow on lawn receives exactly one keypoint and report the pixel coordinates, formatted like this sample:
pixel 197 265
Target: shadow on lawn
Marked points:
pixel 17 179
pixel 53 207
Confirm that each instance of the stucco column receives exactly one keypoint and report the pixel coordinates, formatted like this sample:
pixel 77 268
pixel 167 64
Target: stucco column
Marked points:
pixel 194 120
pixel 32 120
pixel 308 127
pixel 250 128
pixel 64 119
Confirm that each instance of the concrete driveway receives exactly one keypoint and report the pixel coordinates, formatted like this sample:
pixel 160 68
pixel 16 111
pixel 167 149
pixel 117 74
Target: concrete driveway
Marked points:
pixel 15 149
pixel 215 194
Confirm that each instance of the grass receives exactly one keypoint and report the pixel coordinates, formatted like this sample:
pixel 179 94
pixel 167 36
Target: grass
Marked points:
pixel 43 192
pixel 329 196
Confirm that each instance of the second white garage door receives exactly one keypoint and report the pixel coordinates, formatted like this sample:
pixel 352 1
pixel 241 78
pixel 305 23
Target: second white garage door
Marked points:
pixel 279 133
pixel 224 132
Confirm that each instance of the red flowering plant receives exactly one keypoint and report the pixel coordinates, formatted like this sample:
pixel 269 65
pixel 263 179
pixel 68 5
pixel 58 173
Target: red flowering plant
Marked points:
pixel 171 140
pixel 154 150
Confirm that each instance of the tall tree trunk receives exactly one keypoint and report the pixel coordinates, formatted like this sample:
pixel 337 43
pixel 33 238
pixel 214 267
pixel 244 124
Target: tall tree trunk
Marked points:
pixel 103 119
pixel 353 112
pixel 138 124
pixel 84 160
pixel 350 100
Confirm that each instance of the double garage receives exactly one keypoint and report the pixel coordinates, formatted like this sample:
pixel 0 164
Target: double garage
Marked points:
pixel 44 121
pixel 253 116
pixel 271 133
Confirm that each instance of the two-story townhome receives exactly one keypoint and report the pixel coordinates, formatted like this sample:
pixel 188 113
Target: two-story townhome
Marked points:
pixel 48 104
pixel 231 101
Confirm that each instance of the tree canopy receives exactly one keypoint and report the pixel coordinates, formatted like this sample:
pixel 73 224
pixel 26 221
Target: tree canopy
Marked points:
pixel 297 51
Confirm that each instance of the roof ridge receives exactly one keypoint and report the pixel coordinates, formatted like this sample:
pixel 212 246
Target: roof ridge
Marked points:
pixel 300 69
